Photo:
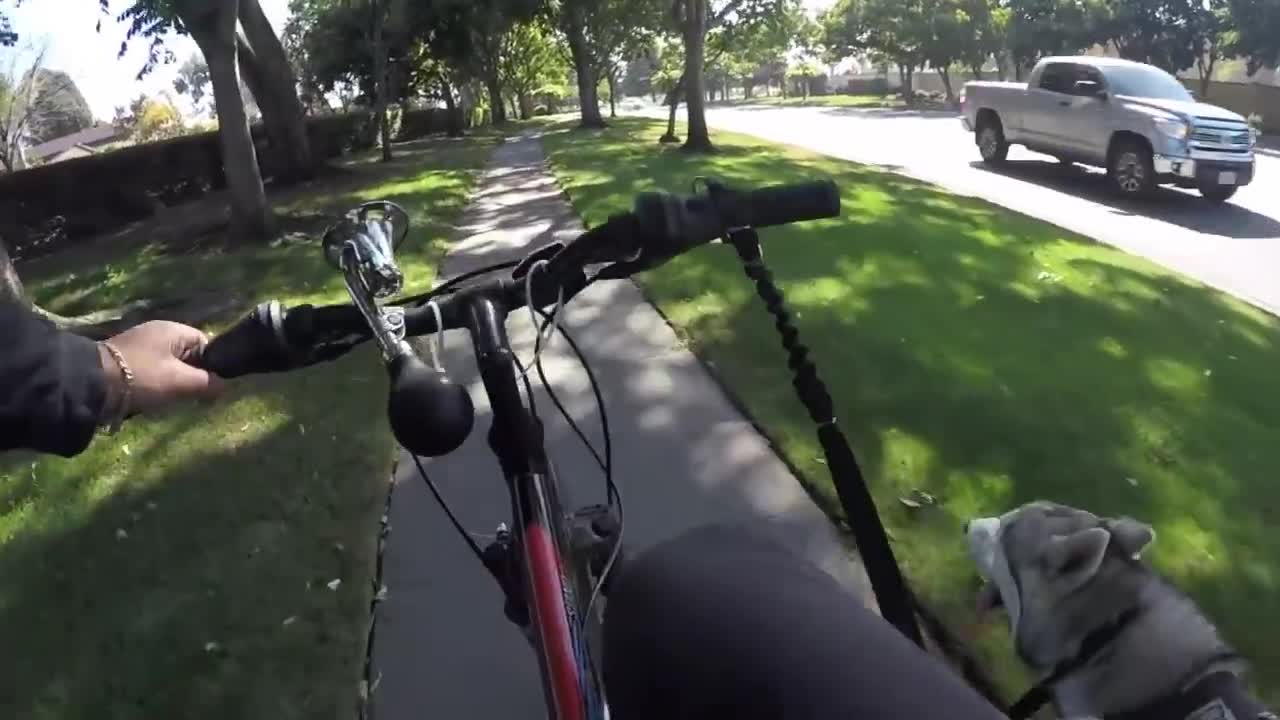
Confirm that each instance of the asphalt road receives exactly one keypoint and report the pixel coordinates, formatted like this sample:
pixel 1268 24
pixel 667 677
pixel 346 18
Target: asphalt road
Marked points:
pixel 1234 247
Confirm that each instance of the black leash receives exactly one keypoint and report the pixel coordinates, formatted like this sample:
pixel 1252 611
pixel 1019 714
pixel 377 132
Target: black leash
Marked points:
pixel 887 583
pixel 1095 642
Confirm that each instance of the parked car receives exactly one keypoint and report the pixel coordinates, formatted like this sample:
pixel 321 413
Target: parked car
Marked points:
pixel 1136 121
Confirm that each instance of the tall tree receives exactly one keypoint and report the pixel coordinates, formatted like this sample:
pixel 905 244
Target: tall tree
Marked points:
pixel 263 58
pixel 1159 32
pixel 1039 28
pixel 1257 32
pixel 213 27
pixel 60 108
pixel 530 60
pixel 193 81
pixel 602 35
pixel 36 105
pixel 1214 37
pixel 693 20
pixel 882 26
pixel 574 16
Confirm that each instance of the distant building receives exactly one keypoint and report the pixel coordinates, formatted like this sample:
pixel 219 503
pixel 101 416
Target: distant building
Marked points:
pixel 78 144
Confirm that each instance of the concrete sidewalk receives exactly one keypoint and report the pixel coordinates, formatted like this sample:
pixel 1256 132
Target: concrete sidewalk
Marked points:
pixel 683 456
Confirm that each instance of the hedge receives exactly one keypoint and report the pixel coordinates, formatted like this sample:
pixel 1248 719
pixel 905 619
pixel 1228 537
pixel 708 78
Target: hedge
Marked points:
pixel 44 208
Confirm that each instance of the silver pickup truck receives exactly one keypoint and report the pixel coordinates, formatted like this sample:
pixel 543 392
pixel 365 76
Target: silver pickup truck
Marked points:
pixel 1135 120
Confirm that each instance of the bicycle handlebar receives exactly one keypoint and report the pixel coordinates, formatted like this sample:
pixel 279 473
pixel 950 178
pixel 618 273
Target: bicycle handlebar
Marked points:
pixel 660 227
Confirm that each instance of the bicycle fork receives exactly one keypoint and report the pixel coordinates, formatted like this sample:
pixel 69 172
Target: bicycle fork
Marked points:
pixel 593 530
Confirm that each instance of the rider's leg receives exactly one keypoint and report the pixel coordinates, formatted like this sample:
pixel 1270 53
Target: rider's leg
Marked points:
pixel 723 622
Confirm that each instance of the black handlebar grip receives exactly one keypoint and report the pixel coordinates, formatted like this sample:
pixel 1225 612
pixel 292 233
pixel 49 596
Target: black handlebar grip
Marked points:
pixel 782 204
pixel 252 345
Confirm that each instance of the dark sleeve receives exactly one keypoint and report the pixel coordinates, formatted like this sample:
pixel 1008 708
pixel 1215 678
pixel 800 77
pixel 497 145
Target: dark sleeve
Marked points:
pixel 727 622
pixel 52 387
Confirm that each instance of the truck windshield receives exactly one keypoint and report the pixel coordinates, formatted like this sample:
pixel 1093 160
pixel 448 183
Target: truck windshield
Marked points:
pixel 1145 82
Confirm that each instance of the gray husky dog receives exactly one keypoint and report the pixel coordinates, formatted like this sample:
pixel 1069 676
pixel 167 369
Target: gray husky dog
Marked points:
pixel 1112 638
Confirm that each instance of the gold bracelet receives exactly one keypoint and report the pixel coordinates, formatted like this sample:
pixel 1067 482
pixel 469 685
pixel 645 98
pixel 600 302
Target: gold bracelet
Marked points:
pixel 112 421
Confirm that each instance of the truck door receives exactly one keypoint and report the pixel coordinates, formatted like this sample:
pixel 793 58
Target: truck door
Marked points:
pixel 1049 99
pixel 1081 125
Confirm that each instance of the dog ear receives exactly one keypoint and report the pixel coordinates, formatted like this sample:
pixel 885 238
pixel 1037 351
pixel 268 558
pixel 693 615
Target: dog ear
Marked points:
pixel 1131 536
pixel 1075 558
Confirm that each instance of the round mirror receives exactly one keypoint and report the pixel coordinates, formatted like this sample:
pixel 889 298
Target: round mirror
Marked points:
pixel 395 217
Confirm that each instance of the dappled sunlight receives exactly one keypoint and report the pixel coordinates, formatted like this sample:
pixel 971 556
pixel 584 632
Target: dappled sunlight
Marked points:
pixel 1113 347
pixel 204 540
pixel 986 358
pixel 1177 378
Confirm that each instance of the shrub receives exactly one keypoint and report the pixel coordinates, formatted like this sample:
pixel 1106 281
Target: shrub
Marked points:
pixel 45 207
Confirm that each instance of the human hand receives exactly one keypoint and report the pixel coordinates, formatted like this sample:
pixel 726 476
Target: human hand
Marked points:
pixel 157 353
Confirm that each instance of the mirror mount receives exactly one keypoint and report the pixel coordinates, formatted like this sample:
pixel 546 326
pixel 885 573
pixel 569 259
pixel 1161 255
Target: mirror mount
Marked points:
pixel 1090 88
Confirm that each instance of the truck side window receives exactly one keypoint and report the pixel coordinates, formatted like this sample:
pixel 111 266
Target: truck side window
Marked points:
pixel 1083 72
pixel 1057 77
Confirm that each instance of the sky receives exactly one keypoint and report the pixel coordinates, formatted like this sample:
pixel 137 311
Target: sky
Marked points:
pixel 68 29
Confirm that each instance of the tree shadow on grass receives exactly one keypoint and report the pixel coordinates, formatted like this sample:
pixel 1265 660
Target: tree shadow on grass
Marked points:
pixel 990 359
pixel 181 569
pixel 187 578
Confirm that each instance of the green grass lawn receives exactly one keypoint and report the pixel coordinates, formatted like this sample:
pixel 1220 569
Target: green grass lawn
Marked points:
pixel 181 569
pixel 989 359
pixel 894 102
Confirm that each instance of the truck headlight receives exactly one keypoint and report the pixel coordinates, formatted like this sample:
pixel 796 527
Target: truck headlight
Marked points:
pixel 1172 127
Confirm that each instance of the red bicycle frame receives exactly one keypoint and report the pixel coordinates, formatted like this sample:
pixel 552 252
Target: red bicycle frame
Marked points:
pixel 549 574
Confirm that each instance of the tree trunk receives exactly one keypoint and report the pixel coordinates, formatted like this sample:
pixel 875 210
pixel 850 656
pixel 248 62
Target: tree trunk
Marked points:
pixel 277 163
pixel 673 101
pixel 588 96
pixel 612 77
pixel 497 109
pixel 281 85
pixel 378 46
pixel 453 122
pixel 213 27
pixel 748 89
pixel 946 85
pixel 1206 75
pixel 697 138
pixel 525 101
pixel 11 290
pixel 908 86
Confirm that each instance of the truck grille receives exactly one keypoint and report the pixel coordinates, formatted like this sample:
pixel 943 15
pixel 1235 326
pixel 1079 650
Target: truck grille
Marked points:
pixel 1219 137
pixel 1224 136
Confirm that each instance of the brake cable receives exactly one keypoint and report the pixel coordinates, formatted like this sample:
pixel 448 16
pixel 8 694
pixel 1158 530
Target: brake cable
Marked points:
pixel 612 493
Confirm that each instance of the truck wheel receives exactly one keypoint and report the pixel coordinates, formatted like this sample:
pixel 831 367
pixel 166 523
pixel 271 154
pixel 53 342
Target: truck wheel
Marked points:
pixel 991 142
pixel 1131 170
pixel 1218 194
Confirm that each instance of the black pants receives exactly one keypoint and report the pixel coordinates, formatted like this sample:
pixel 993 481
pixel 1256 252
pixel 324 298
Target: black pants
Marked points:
pixel 724 623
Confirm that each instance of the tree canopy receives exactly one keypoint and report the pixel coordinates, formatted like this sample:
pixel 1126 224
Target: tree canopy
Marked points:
pixel 1172 34
pixel 58 106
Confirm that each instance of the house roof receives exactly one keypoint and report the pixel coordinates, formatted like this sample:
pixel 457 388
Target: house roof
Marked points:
pixel 96 135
